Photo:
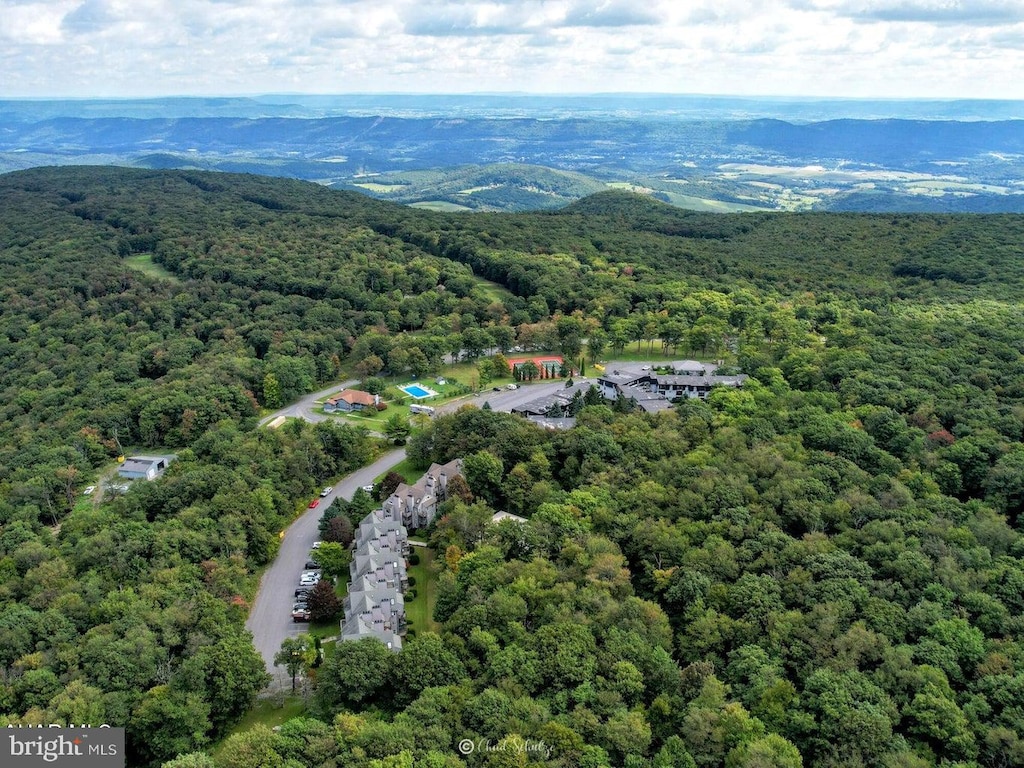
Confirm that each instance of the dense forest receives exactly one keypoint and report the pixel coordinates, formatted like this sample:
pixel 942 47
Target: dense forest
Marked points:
pixel 823 568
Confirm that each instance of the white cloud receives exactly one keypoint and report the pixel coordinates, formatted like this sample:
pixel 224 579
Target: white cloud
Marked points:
pixel 811 47
pixel 984 12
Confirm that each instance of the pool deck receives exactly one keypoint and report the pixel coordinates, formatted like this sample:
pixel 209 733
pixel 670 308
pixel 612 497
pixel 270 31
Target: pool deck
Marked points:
pixel 425 391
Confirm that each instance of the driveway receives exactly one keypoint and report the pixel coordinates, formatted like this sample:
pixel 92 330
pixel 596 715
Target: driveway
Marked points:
pixel 270 619
pixel 307 408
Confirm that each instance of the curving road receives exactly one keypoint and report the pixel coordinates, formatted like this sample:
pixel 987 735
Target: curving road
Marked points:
pixel 307 408
pixel 270 618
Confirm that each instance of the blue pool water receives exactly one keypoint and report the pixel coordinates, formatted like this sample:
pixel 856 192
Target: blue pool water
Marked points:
pixel 416 391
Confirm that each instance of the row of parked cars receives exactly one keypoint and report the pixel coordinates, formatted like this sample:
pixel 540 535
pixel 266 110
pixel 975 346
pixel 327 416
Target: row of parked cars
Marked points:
pixel 310 575
pixel 308 579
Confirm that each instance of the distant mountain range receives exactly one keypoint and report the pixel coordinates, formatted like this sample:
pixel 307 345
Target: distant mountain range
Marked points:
pixel 509 152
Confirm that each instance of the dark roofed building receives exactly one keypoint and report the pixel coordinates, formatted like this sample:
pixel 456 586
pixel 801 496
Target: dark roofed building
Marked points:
pixel 416 505
pixel 689 379
pixel 558 400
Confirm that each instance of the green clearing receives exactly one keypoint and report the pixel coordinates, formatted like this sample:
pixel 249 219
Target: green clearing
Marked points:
pixel 493 291
pixel 420 610
pixel 143 262
pixel 711 206
pixel 382 188
pixel 440 205
pixel 271 712
pixel 629 186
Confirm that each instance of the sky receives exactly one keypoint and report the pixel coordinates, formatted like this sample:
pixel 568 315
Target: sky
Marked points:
pixel 834 48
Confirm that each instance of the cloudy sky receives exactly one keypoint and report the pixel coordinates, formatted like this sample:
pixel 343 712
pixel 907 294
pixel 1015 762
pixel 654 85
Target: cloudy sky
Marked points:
pixel 852 48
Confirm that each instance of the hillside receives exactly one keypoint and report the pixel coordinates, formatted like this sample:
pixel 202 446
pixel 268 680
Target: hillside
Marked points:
pixel 503 154
pixel 503 186
pixel 821 568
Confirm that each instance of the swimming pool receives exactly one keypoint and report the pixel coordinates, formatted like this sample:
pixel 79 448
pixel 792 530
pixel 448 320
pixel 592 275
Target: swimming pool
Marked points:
pixel 417 391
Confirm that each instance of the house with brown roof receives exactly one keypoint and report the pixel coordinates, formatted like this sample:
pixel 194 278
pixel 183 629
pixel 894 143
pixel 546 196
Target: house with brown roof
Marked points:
pixel 350 400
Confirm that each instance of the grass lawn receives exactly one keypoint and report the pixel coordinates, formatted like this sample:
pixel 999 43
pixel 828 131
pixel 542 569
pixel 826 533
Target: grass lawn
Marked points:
pixel 420 611
pixel 493 290
pixel 270 712
pixel 143 262
pixel 375 420
pixel 406 469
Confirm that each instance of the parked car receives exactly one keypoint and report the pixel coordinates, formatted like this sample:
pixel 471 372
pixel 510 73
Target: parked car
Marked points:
pixel 316 545
pixel 326 491
pixel 89 490
pixel 368 488
pixel 302 592
pixel 314 503
pixel 309 579
pixel 312 565
pixel 496 389
pixel 300 613
pixel 511 386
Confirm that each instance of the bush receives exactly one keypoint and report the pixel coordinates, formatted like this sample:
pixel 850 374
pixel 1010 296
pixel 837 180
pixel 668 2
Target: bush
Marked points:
pixel 414 558
pixel 412 581
pixel 382 406
pixel 411 595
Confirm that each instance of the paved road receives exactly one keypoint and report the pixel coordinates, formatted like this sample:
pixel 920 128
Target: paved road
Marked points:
pixel 270 618
pixel 307 408
pixel 507 399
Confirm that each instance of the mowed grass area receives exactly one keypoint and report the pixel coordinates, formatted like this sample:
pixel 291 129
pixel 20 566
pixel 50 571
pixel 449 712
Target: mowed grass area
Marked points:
pixel 143 262
pixel 270 712
pixel 493 291
pixel 375 420
pixel 409 472
pixel 420 610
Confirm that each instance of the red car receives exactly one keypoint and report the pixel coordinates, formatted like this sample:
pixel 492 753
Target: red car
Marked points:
pixel 314 503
